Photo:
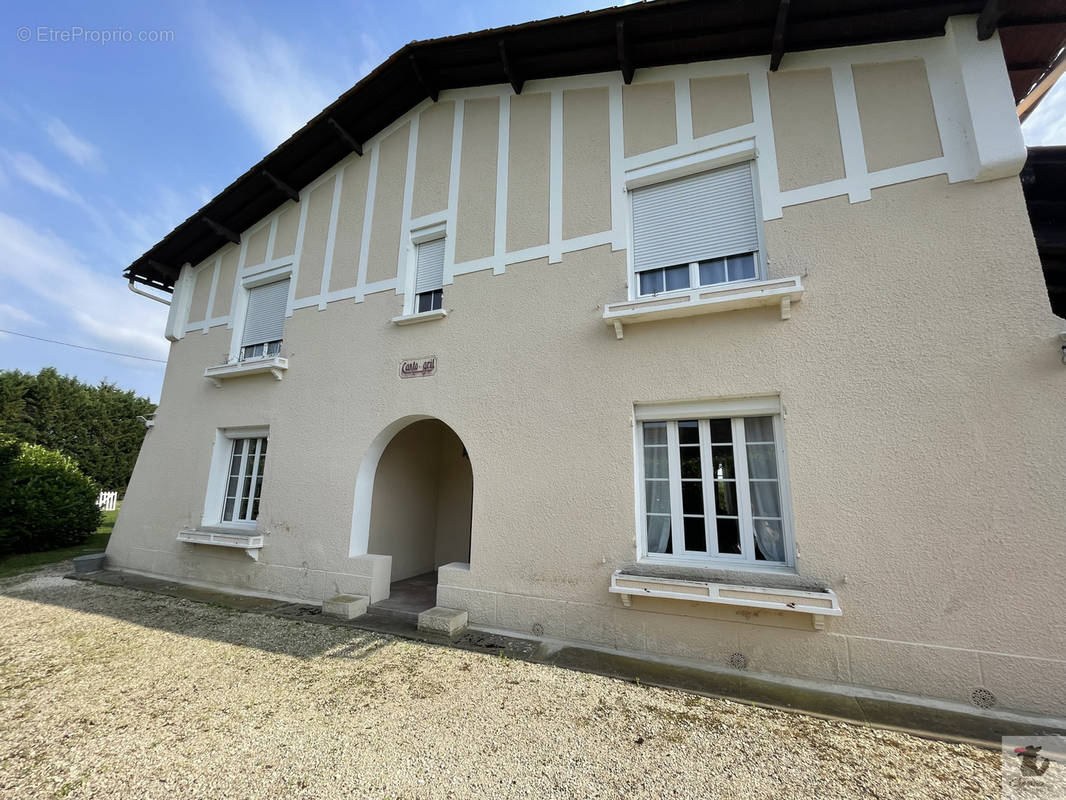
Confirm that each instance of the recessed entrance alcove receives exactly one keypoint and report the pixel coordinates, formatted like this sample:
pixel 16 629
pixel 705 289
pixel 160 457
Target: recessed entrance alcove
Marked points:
pixel 420 511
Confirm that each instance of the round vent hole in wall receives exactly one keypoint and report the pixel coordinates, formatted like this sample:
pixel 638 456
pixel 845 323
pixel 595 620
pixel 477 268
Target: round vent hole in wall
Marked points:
pixel 982 698
pixel 738 661
pixel 538 629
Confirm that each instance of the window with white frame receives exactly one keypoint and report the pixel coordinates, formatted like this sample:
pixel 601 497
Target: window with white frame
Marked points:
pixel 429 275
pixel 713 488
pixel 697 230
pixel 244 480
pixel 264 321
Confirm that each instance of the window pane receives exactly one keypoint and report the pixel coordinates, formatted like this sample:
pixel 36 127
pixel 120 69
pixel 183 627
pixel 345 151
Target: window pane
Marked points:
pixel 651 281
pixel 238 450
pixel 765 499
pixel 658 534
pixel 722 462
pixel 695 534
pixel 725 498
pixel 690 463
pixel 721 431
pixel 759 429
pixel 769 540
pixel 688 431
pixel 692 497
pixel 677 277
pixel 728 537
pixel 231 487
pixel 657 497
pixel 430 301
pixel 742 268
pixel 654 433
pixel 762 461
pixel 227 514
pixel 656 463
pixel 712 272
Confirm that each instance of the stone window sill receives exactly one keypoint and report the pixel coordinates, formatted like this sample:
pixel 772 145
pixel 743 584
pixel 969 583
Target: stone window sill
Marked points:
pixel 425 316
pixel 251 543
pixel 275 365
pixel 706 300
pixel 819 604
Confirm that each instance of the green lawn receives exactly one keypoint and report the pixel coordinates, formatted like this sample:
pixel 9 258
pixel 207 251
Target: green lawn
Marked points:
pixel 13 565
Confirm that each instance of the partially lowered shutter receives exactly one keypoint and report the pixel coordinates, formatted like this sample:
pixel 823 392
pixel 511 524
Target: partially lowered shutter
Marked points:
pixel 265 321
pixel 695 218
pixel 429 275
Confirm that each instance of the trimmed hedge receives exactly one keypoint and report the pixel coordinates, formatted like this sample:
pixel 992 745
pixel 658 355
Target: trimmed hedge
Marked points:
pixel 46 502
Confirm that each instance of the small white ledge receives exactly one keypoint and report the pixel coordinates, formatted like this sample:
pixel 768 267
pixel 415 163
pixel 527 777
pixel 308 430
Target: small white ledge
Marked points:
pixel 706 300
pixel 249 543
pixel 275 365
pixel 425 316
pixel 819 604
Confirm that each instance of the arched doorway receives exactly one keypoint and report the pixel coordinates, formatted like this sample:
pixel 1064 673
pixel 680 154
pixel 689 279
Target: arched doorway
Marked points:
pixel 420 511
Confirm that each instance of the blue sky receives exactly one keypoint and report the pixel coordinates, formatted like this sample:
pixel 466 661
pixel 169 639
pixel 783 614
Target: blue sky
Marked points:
pixel 105 146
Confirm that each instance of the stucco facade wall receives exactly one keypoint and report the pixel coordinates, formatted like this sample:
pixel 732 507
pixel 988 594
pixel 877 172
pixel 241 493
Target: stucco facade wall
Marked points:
pixel 922 403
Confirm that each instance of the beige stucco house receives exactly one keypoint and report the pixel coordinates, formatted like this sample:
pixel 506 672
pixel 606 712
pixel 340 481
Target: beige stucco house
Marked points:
pixel 642 331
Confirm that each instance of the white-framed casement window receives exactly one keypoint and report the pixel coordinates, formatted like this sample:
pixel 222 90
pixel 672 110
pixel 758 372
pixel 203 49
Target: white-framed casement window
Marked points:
pixel 429 275
pixel 235 483
pixel 714 488
pixel 697 230
pixel 264 320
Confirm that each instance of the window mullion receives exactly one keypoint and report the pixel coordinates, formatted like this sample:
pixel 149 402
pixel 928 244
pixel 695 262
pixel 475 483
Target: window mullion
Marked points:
pixel 240 480
pixel 740 466
pixel 710 521
pixel 677 522
pixel 255 475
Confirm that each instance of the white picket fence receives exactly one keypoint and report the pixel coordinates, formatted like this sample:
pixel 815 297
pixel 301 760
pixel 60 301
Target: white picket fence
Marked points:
pixel 108 501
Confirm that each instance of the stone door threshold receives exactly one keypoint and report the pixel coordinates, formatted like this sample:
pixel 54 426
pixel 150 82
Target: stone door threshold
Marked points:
pixel 921 716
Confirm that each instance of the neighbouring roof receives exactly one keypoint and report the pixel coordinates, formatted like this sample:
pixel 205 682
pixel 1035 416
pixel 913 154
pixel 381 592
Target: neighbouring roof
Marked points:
pixel 642 35
pixel 1043 181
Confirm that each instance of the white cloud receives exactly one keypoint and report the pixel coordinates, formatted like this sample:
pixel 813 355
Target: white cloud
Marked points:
pixel 9 315
pixel 1047 124
pixel 37 174
pixel 100 306
pixel 80 151
pixel 266 80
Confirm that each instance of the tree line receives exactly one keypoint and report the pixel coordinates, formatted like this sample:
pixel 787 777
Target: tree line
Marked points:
pixel 96 426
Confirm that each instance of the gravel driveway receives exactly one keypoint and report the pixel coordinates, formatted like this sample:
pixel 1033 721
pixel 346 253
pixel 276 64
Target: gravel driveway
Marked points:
pixel 112 693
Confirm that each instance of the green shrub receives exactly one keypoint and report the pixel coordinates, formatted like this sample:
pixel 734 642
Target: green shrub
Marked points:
pixel 45 500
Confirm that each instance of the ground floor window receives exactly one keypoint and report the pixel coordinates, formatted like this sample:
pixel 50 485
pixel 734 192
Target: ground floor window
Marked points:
pixel 712 488
pixel 245 481
pixel 235 480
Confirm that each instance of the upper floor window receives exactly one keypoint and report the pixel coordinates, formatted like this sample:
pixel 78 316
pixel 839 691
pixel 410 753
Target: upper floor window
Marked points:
pixel 429 275
pixel 698 230
pixel 713 488
pixel 264 320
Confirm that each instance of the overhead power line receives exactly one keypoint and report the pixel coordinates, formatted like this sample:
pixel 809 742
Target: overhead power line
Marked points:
pixel 83 347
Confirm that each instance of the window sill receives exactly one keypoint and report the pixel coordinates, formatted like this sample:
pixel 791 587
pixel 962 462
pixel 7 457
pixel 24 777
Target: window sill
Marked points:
pixel 275 365
pixel 706 300
pixel 819 604
pixel 250 543
pixel 425 316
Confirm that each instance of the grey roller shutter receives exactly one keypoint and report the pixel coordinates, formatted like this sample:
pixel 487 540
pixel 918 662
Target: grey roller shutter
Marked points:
pixel 430 267
pixel 695 218
pixel 265 321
